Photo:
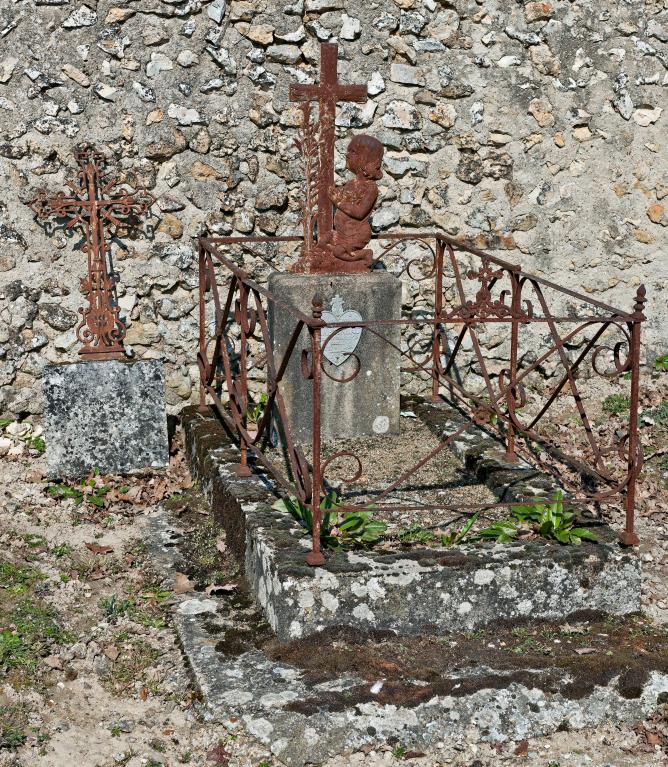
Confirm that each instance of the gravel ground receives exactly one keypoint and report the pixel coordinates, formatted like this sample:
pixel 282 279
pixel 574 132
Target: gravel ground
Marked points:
pixel 91 675
pixel 441 481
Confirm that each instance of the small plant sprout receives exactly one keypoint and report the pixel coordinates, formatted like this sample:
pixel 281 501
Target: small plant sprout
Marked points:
pixel 616 404
pixel 455 537
pixel 548 520
pixel 338 530
pixel 255 410
pixel 661 363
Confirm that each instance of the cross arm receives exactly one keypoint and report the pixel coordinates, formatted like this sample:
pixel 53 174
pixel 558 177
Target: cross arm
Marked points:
pixel 357 93
pixel 304 92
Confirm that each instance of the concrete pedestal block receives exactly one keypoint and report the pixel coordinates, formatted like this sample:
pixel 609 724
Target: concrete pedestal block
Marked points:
pixel 106 415
pixel 368 404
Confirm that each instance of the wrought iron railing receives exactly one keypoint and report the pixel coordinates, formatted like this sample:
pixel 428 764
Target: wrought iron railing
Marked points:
pixel 553 342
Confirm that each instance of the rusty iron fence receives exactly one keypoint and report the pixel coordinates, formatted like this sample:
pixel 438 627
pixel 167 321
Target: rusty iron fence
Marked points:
pixel 550 337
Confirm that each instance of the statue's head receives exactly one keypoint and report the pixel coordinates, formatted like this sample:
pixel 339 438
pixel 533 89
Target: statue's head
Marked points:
pixel 365 156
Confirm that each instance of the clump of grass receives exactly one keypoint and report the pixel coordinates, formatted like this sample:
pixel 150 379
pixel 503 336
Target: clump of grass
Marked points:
pixel 18 580
pixel 13 725
pixel 616 404
pixel 146 609
pixel 416 534
pixel 131 665
pixel 28 631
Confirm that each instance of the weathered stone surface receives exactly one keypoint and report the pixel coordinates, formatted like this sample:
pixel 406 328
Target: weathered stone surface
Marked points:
pixel 105 415
pixel 454 589
pixel 369 403
pixel 244 675
pixel 209 60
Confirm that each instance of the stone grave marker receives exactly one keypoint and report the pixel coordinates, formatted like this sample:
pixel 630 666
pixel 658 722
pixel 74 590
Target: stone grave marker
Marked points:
pixel 360 367
pixel 106 412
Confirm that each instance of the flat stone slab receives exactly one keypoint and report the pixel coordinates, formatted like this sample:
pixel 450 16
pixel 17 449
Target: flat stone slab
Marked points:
pixel 107 415
pixel 333 693
pixel 457 588
pixel 367 403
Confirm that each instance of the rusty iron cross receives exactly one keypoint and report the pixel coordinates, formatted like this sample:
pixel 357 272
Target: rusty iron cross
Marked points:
pixel 328 94
pixel 98 201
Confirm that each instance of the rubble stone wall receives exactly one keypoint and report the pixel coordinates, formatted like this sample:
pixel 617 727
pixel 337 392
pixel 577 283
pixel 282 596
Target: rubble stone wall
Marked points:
pixel 536 128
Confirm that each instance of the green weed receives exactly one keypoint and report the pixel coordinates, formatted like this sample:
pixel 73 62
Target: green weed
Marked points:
pixel 616 404
pixel 18 580
pixel 255 410
pixel 658 414
pixel 86 490
pixel 455 537
pixel 416 533
pixel 27 633
pixel 549 520
pixel 338 530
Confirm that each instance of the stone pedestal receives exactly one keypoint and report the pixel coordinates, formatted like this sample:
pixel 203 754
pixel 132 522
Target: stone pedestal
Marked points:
pixel 368 404
pixel 105 415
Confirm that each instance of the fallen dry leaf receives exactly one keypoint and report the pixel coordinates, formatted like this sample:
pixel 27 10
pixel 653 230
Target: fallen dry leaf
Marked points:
pixel 96 548
pixel 182 584
pixel 219 756
pixel 112 652
pixel 522 748
pixel 221 545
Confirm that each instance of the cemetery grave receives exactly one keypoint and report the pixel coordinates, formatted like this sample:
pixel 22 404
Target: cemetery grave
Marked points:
pixel 414 517
pixel 302 378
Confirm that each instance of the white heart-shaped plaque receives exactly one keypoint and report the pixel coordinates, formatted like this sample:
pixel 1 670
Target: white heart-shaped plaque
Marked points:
pixel 344 343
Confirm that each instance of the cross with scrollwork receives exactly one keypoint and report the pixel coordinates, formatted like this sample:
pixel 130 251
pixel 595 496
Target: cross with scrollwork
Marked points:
pixel 99 204
pixel 327 94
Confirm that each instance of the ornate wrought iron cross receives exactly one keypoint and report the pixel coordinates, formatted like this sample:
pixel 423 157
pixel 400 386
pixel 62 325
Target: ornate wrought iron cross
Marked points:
pixel 99 201
pixel 328 94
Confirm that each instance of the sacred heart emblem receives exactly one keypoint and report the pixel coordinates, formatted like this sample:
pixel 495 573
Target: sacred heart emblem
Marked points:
pixel 345 341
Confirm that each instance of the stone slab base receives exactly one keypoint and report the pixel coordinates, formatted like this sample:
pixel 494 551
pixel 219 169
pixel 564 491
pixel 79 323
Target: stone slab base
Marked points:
pixel 368 404
pixel 106 415
pixel 460 588
pixel 246 682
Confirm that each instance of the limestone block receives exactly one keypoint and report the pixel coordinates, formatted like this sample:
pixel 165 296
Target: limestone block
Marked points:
pixel 369 403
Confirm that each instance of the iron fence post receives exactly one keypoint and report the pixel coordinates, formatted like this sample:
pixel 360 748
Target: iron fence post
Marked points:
pixel 511 456
pixel 629 536
pixel 242 307
pixel 202 328
pixel 438 330
pixel 315 557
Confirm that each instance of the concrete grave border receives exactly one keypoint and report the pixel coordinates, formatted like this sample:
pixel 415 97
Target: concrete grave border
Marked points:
pixel 455 589
pixel 242 687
